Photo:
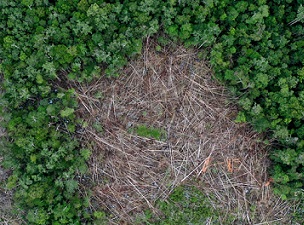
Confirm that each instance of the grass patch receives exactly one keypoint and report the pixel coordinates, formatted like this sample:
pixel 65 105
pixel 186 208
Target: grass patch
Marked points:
pixel 149 132
pixel 185 205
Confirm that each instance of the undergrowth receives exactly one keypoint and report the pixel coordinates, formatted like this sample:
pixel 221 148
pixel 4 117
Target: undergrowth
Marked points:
pixel 149 132
pixel 186 205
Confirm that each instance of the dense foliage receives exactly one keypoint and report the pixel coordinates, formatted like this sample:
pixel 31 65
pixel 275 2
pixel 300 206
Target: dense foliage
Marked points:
pixel 256 47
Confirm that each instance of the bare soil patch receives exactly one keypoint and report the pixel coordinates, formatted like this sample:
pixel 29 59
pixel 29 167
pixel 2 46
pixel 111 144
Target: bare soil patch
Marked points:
pixel 173 91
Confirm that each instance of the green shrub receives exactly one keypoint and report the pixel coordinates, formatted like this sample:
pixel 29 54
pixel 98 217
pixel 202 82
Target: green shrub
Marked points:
pixel 185 205
pixel 149 132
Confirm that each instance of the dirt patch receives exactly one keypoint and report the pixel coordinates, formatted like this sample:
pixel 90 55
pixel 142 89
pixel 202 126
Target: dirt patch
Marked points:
pixel 173 91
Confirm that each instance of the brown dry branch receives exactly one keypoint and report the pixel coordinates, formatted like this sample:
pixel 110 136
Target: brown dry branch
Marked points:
pixel 174 91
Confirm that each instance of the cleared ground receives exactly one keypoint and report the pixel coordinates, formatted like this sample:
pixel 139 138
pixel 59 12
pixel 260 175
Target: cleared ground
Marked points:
pixel 172 91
